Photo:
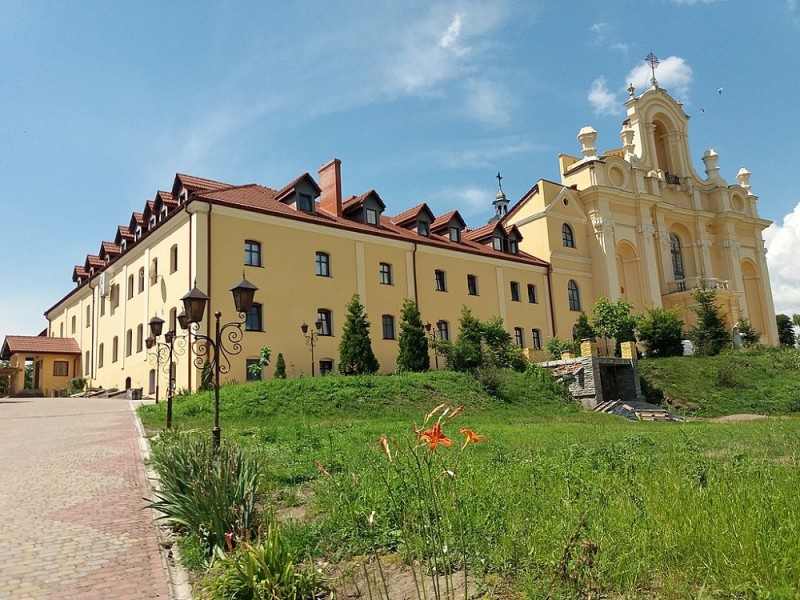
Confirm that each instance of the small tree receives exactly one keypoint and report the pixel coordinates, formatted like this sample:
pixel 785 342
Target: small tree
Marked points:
pixel 583 328
pixel 661 330
pixel 709 335
pixel 413 343
pixel 786 334
pixel 355 350
pixel 466 353
pixel 750 337
pixel 280 367
pixel 256 369
pixel 499 349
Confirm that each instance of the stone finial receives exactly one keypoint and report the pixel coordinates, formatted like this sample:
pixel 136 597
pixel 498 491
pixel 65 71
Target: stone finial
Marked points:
pixel 710 159
pixel 587 137
pixel 626 135
pixel 743 177
pixel 631 91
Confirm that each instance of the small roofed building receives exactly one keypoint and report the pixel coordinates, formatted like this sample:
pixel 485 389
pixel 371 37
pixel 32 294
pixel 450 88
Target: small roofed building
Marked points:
pixel 54 362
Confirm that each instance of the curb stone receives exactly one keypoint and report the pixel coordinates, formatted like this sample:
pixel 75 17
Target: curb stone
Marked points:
pixel 177 577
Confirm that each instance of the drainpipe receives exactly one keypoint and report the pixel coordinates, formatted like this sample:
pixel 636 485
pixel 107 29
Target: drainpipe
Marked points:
pixel 550 296
pixel 414 267
pixel 189 362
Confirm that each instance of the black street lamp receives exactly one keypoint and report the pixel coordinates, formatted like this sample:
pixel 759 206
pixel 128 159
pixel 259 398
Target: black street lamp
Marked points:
pixel 168 350
pixel 433 333
pixel 311 339
pixel 214 349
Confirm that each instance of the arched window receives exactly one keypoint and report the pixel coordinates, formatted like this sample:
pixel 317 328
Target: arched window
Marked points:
pixel 677 257
pixel 574 295
pixel 567 237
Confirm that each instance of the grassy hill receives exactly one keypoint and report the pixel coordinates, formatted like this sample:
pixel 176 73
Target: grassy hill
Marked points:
pixel 764 382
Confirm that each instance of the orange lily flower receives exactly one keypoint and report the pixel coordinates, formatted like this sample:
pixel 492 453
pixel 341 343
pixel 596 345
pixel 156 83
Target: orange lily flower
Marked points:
pixel 472 437
pixel 455 412
pixel 433 412
pixel 434 436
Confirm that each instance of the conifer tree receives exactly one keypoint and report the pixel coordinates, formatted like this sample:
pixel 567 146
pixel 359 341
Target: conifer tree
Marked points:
pixel 413 343
pixel 709 335
pixel 280 367
pixel 355 350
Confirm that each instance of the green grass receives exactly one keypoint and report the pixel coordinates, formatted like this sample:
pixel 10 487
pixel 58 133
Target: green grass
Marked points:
pixel 764 382
pixel 557 500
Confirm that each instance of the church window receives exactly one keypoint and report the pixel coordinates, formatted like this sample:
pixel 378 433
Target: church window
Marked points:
pixel 567 236
pixel 677 257
pixel 574 295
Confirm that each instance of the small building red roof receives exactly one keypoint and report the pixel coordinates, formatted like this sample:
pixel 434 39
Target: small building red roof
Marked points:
pixel 34 344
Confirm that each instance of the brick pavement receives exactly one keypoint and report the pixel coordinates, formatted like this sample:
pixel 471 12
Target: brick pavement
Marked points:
pixel 72 524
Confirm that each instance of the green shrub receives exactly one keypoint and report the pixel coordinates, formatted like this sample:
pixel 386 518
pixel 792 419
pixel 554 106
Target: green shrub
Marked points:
pixel 280 367
pixel 412 343
pixel 204 492
pixel 264 570
pixel 661 330
pixel 355 349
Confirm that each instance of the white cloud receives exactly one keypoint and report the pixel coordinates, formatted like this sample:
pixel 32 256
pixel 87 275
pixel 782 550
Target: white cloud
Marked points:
pixel 449 38
pixel 488 102
pixel 599 30
pixel 486 153
pixel 469 201
pixel 783 256
pixel 673 74
pixel 622 47
pixel 602 99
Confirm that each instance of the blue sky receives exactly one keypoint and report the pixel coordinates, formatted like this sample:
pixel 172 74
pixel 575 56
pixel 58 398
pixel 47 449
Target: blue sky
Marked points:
pixel 101 103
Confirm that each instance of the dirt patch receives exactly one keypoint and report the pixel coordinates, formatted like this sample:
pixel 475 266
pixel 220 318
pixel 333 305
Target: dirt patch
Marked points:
pixel 388 578
pixel 737 418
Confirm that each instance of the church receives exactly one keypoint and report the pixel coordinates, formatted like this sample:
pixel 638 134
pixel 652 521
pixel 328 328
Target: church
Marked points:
pixel 636 223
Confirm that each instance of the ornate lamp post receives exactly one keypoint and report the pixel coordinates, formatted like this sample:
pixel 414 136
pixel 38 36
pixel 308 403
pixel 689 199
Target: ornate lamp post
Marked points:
pixel 433 333
pixel 214 349
pixel 159 355
pixel 311 339
pixel 168 347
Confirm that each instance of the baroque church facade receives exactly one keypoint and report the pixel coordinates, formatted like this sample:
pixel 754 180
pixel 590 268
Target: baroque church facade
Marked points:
pixel 636 223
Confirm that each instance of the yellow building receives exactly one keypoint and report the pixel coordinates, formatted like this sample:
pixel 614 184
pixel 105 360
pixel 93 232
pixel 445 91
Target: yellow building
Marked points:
pixel 636 223
pixel 308 250
pixel 53 363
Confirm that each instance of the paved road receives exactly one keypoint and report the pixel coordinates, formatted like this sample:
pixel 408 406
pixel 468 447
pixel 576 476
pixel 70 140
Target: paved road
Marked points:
pixel 71 488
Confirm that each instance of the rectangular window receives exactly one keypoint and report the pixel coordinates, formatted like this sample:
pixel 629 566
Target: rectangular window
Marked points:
pixel 472 285
pixel 88 316
pixel 513 247
pixel 388 327
pixel 173 259
pixel 141 280
pixel 423 228
pixel 444 330
pixel 73 323
pixel 305 203
pixel 386 274
pixel 154 271
pixel 455 234
pixel 129 342
pixel 115 349
pixel 532 294
pixel 253 322
pixel 325 367
pixel 325 322
pixel 537 339
pixel 139 337
pixel 519 337
pixel 102 306
pixel 130 287
pixel 497 243
pixel 252 253
pixel 323 265
pixel 514 291
pixel 61 368
pixel 372 216
pixel 100 353
pixel 87 365
pixel 251 375
pixel 441 281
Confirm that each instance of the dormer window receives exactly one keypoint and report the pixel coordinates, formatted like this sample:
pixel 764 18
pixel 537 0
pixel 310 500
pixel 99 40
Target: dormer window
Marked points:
pixel 372 216
pixel 182 198
pixel 123 245
pixel 497 243
pixel 137 234
pixel 153 221
pixel 455 234
pixel 107 259
pixel 164 212
pixel 305 203
pixel 423 228
pixel 513 248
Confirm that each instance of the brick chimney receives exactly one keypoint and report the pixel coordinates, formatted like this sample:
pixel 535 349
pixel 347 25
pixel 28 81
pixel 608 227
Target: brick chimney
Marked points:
pixel 330 181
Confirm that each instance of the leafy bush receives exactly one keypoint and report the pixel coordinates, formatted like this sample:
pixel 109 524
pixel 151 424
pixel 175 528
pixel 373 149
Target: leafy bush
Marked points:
pixel 355 350
pixel 76 385
pixel 750 337
pixel 204 492
pixel 413 345
pixel 661 330
pixel 264 570
pixel 556 346
pixel 280 367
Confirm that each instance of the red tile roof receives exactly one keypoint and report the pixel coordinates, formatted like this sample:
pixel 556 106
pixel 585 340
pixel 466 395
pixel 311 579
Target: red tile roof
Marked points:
pixel 124 233
pixel 110 248
pixel 409 215
pixel 95 261
pixel 193 184
pixel 444 220
pixel 33 344
pixel 284 191
pixel 482 233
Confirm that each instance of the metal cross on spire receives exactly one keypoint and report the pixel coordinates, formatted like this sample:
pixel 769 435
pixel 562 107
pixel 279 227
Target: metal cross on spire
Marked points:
pixel 499 180
pixel 652 60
